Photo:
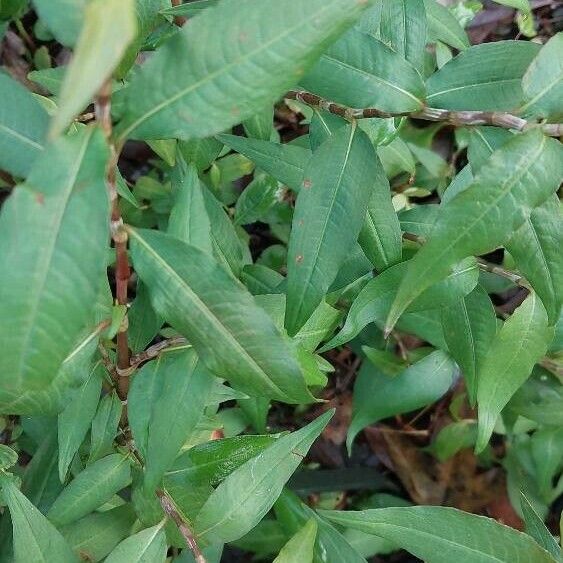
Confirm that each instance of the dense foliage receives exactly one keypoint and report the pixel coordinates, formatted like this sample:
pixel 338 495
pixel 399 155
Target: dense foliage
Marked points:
pixel 218 218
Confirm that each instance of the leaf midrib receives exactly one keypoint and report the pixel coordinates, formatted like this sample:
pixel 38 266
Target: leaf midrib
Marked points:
pixel 21 137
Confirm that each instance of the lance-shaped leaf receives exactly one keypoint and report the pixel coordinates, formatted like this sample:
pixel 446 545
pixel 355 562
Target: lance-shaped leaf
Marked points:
pixel 74 421
pixel 261 51
pixel 244 498
pixel 285 163
pixel 519 176
pixel 300 546
pixel 360 71
pixel 485 77
pixel 537 529
pixel 403 28
pixel 234 337
pixel 171 411
pixel 63 18
pixel 35 538
pixel 441 535
pixel 379 394
pixel 53 240
pixel 329 214
pixel 443 26
pixel 536 249
pixel 23 127
pixel 94 486
pixel 469 327
pixel 518 345
pixel 143 547
pixel 374 300
pixel 109 26
pixel 104 426
pixel 144 323
pixel 543 82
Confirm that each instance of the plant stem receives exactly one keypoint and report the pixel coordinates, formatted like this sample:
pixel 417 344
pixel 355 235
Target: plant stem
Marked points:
pixel 171 511
pixel 102 109
pixel 456 118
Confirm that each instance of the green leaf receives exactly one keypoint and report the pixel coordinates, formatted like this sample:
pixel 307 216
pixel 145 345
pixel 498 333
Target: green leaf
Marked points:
pixel 285 163
pixel 165 149
pixel 189 220
pixel 256 199
pixel 453 438
pixel 238 77
pixel 470 325
pixel 94 486
pixel 213 461
pixel 543 82
pixel 8 457
pixel 109 26
pixel 104 426
pixel 379 395
pixel 330 544
pixel 23 127
pixel 74 421
pixel 403 28
pixel 537 529
pixel 523 5
pixel 518 345
pixel 200 152
pixel 329 214
pixel 261 124
pixel 320 324
pixel 380 236
pixel 260 279
pixel 374 300
pixel 147 546
pixel 204 303
pixel 56 222
pixel 441 535
pixel 245 497
pixel 443 26
pixel 536 249
pixel 485 77
pixel 520 175
pixel 188 9
pixel 299 548
pixel 483 141
pixel 63 18
pixel 174 410
pixel 547 453
pixel 49 78
pixel 360 71
pixel 144 323
pixel 35 538
pixel 95 535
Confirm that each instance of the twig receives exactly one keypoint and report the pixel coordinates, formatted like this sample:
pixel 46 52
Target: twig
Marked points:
pixel 102 107
pixel 172 512
pixel 154 350
pixel 456 118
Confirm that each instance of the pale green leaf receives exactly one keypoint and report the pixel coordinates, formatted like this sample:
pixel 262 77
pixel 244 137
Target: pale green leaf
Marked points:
pixel 23 127
pixel 543 82
pixel 523 5
pixel 94 486
pixel 109 26
pixel 484 77
pixel 285 163
pixel 299 548
pixel 245 497
pixel 374 300
pixel 442 535
pixel 8 457
pixel 379 395
pixel 329 214
pixel 519 176
pixel 147 546
pixel 174 410
pixel 74 421
pixel 470 325
pixel 203 302
pixel 453 438
pixel 517 346
pixel 105 426
pixel 547 453
pixel 53 240
pixel 360 71
pixel 62 17
pixel 443 26
pixel 95 535
pixel 200 152
pixel 35 538
pixel 537 529
pixel 165 149
pixel 261 50
pixel 260 125
pixel 403 28
pixel 536 249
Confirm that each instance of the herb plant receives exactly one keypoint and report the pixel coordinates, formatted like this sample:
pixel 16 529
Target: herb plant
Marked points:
pixel 220 216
